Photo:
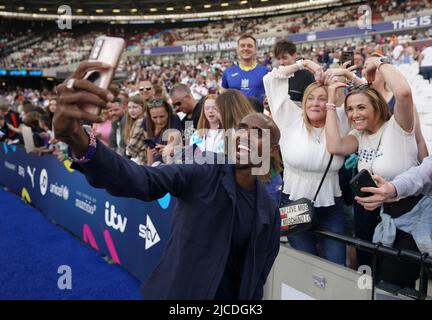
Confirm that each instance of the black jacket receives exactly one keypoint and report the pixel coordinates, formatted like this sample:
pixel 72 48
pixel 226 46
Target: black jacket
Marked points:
pixel 194 260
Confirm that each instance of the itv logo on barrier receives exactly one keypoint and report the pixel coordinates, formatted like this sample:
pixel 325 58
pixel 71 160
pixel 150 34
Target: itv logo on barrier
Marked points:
pixel 149 233
pixel 113 219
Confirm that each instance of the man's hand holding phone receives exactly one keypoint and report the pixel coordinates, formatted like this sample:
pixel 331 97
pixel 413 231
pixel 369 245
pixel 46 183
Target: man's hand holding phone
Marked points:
pixel 74 94
pixel 384 192
pixel 82 96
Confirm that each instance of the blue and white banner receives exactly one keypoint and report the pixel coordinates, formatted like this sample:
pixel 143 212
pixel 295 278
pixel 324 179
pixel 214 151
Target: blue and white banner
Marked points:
pixel 132 232
pixel 397 25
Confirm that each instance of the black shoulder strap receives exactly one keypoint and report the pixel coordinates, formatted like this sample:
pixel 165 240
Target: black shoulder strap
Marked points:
pixel 322 180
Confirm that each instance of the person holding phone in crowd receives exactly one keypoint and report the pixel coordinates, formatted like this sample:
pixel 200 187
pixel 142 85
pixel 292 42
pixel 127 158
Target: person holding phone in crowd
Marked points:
pixel 386 146
pixel 415 181
pixel 159 118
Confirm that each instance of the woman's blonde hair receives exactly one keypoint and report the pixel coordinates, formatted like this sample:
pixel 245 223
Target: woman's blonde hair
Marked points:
pixel 137 99
pixel 233 106
pixel 308 91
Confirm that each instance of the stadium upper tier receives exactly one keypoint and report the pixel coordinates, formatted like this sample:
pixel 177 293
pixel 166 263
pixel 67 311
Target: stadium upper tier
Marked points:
pixel 37 44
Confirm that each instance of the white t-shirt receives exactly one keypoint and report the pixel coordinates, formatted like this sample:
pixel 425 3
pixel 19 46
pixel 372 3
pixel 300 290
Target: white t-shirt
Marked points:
pixel 304 154
pixel 397 51
pixel 396 153
pixel 427 57
pixel 213 141
pixel 198 91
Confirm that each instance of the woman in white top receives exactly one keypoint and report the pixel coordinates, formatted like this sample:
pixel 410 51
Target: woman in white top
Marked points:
pixel 209 136
pixel 386 146
pixel 305 158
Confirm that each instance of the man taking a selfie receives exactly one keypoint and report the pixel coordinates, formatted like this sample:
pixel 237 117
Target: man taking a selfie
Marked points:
pixel 225 229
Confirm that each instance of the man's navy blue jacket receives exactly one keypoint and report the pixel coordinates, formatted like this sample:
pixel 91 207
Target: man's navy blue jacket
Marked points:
pixel 194 260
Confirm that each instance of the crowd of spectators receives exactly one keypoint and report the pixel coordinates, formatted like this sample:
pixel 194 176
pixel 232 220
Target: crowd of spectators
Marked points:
pixel 155 98
pixel 64 48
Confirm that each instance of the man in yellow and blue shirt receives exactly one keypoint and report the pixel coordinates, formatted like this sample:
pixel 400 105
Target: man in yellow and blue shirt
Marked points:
pixel 247 75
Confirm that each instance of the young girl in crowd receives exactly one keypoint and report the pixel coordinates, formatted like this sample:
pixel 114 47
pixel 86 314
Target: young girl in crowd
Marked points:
pixel 134 135
pixel 209 136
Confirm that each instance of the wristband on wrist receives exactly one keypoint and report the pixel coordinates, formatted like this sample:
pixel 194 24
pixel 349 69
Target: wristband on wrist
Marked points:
pixel 330 106
pixel 90 150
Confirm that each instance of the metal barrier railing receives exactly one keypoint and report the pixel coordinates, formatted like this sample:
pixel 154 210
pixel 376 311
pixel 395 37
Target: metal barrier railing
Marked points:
pixel 379 249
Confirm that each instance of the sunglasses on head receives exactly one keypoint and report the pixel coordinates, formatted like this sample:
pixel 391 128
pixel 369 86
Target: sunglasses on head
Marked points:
pixel 361 87
pixel 146 89
pixel 155 103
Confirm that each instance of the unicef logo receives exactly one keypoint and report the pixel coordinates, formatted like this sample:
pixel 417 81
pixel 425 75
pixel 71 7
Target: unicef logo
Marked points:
pixel 43 182
pixel 65 193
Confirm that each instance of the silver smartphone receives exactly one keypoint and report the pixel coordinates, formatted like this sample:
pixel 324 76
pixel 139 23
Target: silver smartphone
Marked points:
pixel 107 50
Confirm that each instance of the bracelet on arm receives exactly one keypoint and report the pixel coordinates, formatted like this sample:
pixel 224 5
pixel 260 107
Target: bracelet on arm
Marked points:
pixel 330 106
pixel 90 150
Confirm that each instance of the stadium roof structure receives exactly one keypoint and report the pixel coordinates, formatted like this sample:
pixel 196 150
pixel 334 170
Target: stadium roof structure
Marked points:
pixel 129 10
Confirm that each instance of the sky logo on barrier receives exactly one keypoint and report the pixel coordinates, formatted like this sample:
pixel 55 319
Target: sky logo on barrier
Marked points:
pixel 165 201
pixel 149 233
pixel 43 182
pixel 113 219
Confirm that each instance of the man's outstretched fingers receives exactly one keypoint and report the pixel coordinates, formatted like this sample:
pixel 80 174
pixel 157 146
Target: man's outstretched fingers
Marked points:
pixel 87 66
pixel 77 114
pixel 82 98
pixel 86 85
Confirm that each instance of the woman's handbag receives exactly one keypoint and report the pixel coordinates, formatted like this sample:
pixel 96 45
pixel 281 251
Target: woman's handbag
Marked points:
pixel 299 215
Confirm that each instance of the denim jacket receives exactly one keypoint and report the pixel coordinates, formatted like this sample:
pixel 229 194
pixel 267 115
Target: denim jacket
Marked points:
pixel 417 222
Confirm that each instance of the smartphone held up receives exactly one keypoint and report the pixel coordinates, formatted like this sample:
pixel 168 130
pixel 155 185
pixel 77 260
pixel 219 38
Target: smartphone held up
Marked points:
pixel 348 56
pixel 360 180
pixel 107 50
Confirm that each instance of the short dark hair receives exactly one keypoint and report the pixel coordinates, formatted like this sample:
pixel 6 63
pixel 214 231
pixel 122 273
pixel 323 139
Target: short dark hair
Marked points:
pixel 46 120
pixel 114 89
pixel 180 88
pixel 283 47
pixel 247 36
